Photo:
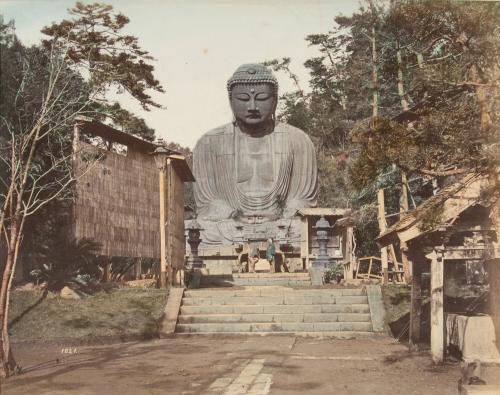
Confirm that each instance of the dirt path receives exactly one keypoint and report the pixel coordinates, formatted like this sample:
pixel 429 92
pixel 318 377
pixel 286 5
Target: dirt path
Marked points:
pixel 255 365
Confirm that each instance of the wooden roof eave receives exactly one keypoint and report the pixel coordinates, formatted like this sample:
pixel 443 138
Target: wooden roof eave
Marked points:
pixel 92 127
pixel 321 211
pixel 455 200
pixel 182 168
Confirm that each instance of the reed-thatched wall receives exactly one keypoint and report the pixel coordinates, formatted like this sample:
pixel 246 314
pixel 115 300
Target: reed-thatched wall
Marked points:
pixel 117 198
pixel 117 203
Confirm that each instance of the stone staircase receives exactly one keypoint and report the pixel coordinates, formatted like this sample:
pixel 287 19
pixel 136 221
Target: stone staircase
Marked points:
pixel 339 312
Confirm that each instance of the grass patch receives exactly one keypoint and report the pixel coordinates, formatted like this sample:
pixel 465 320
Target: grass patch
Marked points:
pixel 397 300
pixel 120 312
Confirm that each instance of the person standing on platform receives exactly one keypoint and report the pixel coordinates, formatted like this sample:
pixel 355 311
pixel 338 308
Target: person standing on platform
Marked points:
pixel 270 252
pixel 253 258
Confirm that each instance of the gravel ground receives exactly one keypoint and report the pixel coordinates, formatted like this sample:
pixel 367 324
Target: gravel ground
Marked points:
pixel 231 365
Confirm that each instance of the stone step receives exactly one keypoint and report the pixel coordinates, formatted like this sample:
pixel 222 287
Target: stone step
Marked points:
pixel 287 299
pixel 257 279
pixel 271 275
pixel 274 327
pixel 278 317
pixel 323 334
pixel 272 291
pixel 274 309
pixel 266 283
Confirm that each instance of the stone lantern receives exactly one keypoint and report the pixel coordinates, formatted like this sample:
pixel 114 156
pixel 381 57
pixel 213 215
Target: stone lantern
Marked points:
pixel 194 229
pixel 322 261
pixel 195 263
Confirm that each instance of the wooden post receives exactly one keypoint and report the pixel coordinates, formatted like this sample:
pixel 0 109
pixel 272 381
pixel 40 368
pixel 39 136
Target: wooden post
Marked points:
pixel 163 256
pixel 349 253
pixel 437 312
pixel 382 226
pixel 138 269
pixel 107 271
pixel 403 208
pixel 76 140
pixel 169 231
pixel 370 268
pixel 416 304
pixel 305 236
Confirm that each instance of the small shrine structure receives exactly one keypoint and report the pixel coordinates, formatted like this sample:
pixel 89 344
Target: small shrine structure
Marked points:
pixel 449 242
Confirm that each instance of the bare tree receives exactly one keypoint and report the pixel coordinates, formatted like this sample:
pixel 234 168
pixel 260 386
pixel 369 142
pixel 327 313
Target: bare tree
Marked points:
pixel 31 184
pixel 58 83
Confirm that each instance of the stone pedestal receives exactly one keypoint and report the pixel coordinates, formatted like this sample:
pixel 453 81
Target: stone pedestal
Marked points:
pixel 262 266
pixel 316 274
pixel 195 279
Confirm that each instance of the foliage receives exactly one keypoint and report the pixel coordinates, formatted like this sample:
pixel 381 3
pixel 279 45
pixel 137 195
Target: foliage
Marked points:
pixel 43 91
pixel 93 39
pixel 69 262
pixel 396 302
pixel 450 76
pixel 334 273
pixel 437 113
pixel 188 187
pixel 366 230
pixel 127 122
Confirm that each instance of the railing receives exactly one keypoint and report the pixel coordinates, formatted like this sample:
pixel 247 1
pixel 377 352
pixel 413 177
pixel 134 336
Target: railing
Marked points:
pixel 373 267
pixel 370 267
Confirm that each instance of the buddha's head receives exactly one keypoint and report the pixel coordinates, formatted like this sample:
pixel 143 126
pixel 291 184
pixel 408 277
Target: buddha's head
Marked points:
pixel 253 95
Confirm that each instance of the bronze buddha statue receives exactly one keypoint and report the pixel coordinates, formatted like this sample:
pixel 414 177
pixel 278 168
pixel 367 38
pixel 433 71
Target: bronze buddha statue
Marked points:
pixel 254 170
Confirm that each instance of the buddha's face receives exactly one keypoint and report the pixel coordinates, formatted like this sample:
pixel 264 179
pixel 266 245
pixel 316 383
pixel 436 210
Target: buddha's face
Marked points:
pixel 253 105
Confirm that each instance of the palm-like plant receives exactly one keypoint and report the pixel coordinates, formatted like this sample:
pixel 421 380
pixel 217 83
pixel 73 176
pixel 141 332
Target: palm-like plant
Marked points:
pixel 68 262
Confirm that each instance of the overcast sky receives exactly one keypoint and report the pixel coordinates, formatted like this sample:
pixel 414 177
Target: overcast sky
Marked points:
pixel 197 45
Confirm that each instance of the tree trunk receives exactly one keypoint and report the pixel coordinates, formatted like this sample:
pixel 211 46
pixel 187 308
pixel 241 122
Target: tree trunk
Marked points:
pixel 374 75
pixel 494 183
pixel 7 362
pixel 401 89
pixel 482 99
pixel 486 123
pixel 374 63
pixel 403 199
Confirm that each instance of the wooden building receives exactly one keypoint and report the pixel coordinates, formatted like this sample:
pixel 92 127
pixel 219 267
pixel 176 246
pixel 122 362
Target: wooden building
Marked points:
pixel 118 194
pixel 446 236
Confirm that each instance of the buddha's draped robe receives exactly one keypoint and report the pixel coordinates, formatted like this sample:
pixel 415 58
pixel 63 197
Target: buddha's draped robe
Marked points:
pixel 240 176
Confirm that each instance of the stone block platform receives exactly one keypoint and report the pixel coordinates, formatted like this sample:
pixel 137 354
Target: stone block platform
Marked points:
pixel 257 279
pixel 275 309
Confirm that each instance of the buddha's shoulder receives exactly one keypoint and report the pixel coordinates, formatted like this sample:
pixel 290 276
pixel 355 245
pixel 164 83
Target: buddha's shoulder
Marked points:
pixel 213 137
pixel 226 129
pixel 292 132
